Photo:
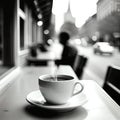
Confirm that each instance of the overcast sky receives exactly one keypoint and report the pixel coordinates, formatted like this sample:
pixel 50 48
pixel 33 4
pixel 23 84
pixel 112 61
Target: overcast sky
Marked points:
pixel 81 9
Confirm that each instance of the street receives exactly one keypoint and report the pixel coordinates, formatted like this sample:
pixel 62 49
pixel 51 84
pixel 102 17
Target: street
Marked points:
pixel 97 64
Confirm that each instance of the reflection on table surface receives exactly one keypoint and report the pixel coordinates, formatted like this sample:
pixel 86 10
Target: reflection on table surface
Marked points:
pixel 13 104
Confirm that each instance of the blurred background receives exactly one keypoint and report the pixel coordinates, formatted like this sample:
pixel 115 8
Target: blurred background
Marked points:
pixel 26 23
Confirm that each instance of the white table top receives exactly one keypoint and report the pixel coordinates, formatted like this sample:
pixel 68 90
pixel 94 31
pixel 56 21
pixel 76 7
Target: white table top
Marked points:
pixel 13 104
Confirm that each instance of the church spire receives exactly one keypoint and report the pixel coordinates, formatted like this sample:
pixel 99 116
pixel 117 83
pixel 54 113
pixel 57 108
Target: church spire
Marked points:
pixel 68 15
pixel 69 10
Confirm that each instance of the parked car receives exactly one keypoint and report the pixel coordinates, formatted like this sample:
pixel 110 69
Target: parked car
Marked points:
pixel 103 48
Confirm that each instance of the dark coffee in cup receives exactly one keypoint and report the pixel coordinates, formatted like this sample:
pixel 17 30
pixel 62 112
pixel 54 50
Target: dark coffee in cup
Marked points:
pixel 59 78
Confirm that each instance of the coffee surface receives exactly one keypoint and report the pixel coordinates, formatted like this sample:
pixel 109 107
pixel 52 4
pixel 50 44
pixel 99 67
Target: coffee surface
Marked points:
pixel 58 78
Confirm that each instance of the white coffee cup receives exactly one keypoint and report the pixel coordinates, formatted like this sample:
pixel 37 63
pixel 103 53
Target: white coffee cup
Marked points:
pixel 58 90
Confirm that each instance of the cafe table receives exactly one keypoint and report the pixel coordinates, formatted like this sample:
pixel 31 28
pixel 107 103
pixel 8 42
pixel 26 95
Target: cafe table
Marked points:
pixel 14 106
pixel 47 58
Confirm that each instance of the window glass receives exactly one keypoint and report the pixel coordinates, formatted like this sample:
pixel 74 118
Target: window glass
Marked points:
pixel 22 5
pixel 21 33
pixel 1 35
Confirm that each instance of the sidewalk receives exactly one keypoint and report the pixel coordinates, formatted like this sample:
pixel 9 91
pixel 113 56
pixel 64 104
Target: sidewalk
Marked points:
pixel 89 75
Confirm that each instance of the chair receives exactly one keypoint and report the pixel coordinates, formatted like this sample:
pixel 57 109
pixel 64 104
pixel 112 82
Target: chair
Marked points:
pixel 112 83
pixel 31 59
pixel 79 65
pixel 33 51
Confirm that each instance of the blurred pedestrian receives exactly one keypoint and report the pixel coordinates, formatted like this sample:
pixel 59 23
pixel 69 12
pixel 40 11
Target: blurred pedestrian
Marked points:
pixel 69 51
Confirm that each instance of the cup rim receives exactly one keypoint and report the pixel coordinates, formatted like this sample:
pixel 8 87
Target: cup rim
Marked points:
pixel 41 77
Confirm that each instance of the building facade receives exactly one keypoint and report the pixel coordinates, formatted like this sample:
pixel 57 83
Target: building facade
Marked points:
pixel 108 17
pixel 19 29
pixel 107 7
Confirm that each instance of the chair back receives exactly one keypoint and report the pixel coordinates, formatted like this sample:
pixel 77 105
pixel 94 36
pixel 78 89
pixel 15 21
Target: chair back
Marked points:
pixel 112 83
pixel 79 65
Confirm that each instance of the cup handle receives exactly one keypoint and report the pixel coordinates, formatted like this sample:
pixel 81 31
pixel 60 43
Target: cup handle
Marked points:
pixel 79 90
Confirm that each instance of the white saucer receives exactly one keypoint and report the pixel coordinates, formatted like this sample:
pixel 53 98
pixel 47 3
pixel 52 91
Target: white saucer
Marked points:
pixel 36 98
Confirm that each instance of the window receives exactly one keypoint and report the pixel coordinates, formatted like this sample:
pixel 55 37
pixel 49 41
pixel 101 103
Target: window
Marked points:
pixel 7 35
pixel 1 35
pixel 22 19
pixel 22 5
pixel 21 34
